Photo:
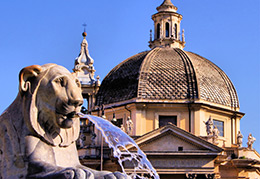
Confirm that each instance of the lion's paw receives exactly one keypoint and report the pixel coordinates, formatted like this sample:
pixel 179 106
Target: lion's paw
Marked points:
pixel 116 175
pixel 72 173
pixel 67 174
pixel 120 175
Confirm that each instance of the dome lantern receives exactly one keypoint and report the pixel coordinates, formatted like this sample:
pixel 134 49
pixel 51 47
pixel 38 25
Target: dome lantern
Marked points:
pixel 167 31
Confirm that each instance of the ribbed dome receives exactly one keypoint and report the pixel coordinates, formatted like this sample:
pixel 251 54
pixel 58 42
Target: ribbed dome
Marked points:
pixel 167 75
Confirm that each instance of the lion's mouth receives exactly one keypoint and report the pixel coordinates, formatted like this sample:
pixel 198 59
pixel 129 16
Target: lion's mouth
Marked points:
pixel 66 121
pixel 71 115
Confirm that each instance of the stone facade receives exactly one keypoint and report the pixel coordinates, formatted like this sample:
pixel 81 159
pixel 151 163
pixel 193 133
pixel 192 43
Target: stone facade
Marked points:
pixel 169 94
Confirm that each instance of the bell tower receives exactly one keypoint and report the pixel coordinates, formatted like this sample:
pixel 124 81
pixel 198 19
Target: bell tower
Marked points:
pixel 167 30
pixel 85 72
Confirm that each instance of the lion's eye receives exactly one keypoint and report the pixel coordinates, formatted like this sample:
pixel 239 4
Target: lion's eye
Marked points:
pixel 61 81
pixel 78 83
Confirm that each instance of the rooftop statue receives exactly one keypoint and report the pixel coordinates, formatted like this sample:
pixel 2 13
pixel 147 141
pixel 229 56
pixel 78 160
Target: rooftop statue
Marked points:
pixel 209 126
pixel 239 139
pixel 129 125
pixel 215 133
pixel 250 141
pixel 39 129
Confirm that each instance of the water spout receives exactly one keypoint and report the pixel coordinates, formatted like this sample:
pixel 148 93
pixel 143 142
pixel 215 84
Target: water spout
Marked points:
pixel 119 141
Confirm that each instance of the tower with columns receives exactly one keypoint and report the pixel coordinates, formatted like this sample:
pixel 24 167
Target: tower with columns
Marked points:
pixel 167 28
pixel 85 72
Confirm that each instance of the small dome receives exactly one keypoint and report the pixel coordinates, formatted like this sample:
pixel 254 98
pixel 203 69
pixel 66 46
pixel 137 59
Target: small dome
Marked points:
pixel 167 75
pixel 167 6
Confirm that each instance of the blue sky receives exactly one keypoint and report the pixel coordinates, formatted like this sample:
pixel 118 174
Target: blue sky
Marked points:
pixel 227 32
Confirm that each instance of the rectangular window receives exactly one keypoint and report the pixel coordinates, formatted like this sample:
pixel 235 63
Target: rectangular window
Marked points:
pixel 220 126
pixel 119 122
pixel 164 120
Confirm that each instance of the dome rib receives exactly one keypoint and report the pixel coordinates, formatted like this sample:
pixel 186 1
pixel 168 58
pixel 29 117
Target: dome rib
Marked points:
pixel 121 82
pixel 214 84
pixel 144 70
pixel 166 75
pixel 229 86
pixel 191 75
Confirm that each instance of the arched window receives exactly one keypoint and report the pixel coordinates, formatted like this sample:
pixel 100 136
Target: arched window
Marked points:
pixel 158 31
pixel 167 30
pixel 175 33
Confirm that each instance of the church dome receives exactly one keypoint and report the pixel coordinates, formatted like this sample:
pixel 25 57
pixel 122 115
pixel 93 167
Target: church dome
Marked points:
pixel 167 75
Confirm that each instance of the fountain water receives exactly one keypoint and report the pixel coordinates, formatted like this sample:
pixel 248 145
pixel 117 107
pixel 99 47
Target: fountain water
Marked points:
pixel 119 141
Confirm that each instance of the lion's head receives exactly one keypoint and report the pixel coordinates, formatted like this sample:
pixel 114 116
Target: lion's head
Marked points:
pixel 51 98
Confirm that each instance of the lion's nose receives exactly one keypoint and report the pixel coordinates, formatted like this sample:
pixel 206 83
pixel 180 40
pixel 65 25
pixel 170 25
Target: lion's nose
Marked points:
pixel 76 102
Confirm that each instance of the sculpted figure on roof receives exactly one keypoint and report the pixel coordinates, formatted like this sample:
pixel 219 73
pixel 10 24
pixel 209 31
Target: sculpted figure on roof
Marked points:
pixel 209 126
pixel 250 141
pixel 129 125
pixel 239 139
pixel 215 133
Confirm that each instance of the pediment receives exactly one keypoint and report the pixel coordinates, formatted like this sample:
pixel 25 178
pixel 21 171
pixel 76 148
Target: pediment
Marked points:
pixel 170 138
pixel 168 142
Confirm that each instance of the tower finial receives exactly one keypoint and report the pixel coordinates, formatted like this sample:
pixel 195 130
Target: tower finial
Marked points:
pixel 84 34
pixel 183 36
pixel 84 25
pixel 151 36
pixel 167 2
pixel 167 6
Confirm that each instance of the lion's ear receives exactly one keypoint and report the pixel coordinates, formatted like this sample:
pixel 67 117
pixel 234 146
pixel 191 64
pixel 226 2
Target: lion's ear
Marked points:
pixel 26 74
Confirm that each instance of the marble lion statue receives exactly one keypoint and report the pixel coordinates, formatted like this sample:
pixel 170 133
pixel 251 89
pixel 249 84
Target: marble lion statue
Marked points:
pixel 39 129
